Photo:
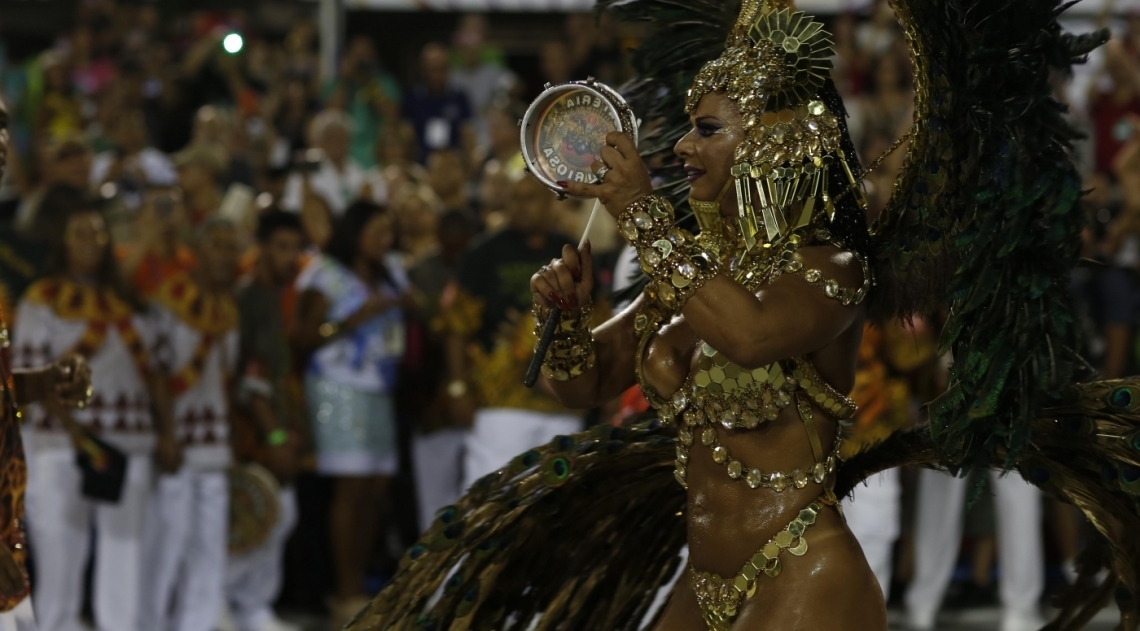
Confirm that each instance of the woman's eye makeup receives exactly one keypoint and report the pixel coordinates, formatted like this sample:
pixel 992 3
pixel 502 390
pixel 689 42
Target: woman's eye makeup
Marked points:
pixel 706 129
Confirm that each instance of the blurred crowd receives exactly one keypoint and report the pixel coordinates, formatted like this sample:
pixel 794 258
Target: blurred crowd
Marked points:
pixel 328 277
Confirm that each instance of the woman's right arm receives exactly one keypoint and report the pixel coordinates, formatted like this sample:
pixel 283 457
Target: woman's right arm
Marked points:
pixel 311 309
pixel 615 343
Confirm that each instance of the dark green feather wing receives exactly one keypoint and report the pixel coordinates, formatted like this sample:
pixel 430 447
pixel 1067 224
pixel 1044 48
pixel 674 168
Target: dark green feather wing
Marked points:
pixel 578 533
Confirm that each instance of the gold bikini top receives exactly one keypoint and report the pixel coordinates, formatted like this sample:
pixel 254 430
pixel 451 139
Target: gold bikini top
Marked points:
pixel 722 393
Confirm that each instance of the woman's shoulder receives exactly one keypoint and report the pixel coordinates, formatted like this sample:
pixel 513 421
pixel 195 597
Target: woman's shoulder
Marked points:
pixel 831 262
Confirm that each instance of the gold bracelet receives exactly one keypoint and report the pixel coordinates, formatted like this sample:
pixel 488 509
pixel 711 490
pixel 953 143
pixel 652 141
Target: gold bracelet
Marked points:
pixel 572 349
pixel 675 261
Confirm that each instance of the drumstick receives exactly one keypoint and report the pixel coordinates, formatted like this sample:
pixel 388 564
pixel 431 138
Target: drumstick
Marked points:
pixel 555 318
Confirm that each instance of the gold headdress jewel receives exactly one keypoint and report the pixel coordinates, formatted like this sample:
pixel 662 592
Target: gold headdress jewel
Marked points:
pixel 773 66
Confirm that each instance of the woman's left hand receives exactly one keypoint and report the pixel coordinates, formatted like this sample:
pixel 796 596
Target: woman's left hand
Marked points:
pixel 625 176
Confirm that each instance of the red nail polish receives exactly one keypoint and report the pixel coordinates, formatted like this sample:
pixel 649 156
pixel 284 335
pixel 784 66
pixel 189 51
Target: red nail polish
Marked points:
pixel 562 183
pixel 553 297
pixel 563 305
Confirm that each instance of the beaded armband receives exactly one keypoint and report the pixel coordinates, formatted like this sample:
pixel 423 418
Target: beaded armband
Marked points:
pixel 572 349
pixel 831 288
pixel 675 262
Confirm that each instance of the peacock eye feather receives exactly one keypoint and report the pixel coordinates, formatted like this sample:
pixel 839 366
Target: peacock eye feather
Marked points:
pixel 530 458
pixel 1122 398
pixel 556 470
pixel 453 531
pixel 1130 480
pixel 447 514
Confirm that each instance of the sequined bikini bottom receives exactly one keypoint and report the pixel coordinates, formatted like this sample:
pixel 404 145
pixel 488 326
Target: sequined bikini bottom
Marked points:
pixel 721 598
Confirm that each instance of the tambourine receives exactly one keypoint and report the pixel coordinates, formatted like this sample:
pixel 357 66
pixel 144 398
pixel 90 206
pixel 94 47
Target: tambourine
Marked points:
pixel 564 130
pixel 254 508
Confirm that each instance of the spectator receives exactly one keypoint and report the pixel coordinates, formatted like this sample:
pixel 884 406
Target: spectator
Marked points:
pixel 554 62
pixel 369 95
pixel 290 111
pixel 1113 102
pixel 317 220
pixel 58 111
pixel 396 149
pixel 27 253
pixel 82 307
pixel 217 131
pixel 66 162
pixel 885 111
pixel 503 165
pixel 132 164
pixel 335 176
pixel 594 48
pixel 437 456
pixel 272 413
pixel 878 35
pixel 350 318
pixel 187 527
pixel 446 171
pixel 476 75
pixel 440 114
pixel 1119 294
pixel 199 169
pixel 158 252
pixel 417 211
pixel 488 331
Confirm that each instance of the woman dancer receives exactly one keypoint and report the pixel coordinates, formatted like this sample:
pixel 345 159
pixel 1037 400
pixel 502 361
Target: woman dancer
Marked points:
pixel 745 336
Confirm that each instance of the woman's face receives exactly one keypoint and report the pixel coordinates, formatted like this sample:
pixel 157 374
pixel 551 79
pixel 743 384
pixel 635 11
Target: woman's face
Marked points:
pixel 85 240
pixel 376 238
pixel 709 149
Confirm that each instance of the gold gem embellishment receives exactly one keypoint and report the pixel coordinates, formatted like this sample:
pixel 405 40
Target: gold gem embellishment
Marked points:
pixel 720 598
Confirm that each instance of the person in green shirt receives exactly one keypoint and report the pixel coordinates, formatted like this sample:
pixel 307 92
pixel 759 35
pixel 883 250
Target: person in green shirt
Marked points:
pixel 367 93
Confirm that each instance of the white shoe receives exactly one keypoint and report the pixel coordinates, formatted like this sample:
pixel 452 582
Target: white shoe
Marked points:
pixel 1021 621
pixel 921 621
pixel 226 620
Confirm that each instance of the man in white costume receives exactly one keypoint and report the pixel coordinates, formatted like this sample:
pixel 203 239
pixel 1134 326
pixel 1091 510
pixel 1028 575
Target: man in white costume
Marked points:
pixel 938 530
pixel 187 530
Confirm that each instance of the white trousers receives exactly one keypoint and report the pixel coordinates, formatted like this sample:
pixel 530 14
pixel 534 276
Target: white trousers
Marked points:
pixel 187 532
pixel 938 530
pixel 20 618
pixel 438 462
pixel 500 434
pixel 873 516
pixel 60 521
pixel 253 580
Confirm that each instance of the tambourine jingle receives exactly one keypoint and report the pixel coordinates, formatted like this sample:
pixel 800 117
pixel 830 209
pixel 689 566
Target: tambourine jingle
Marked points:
pixel 571 135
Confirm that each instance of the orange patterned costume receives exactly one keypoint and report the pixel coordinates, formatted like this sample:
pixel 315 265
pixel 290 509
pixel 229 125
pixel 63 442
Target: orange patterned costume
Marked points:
pixel 13 470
